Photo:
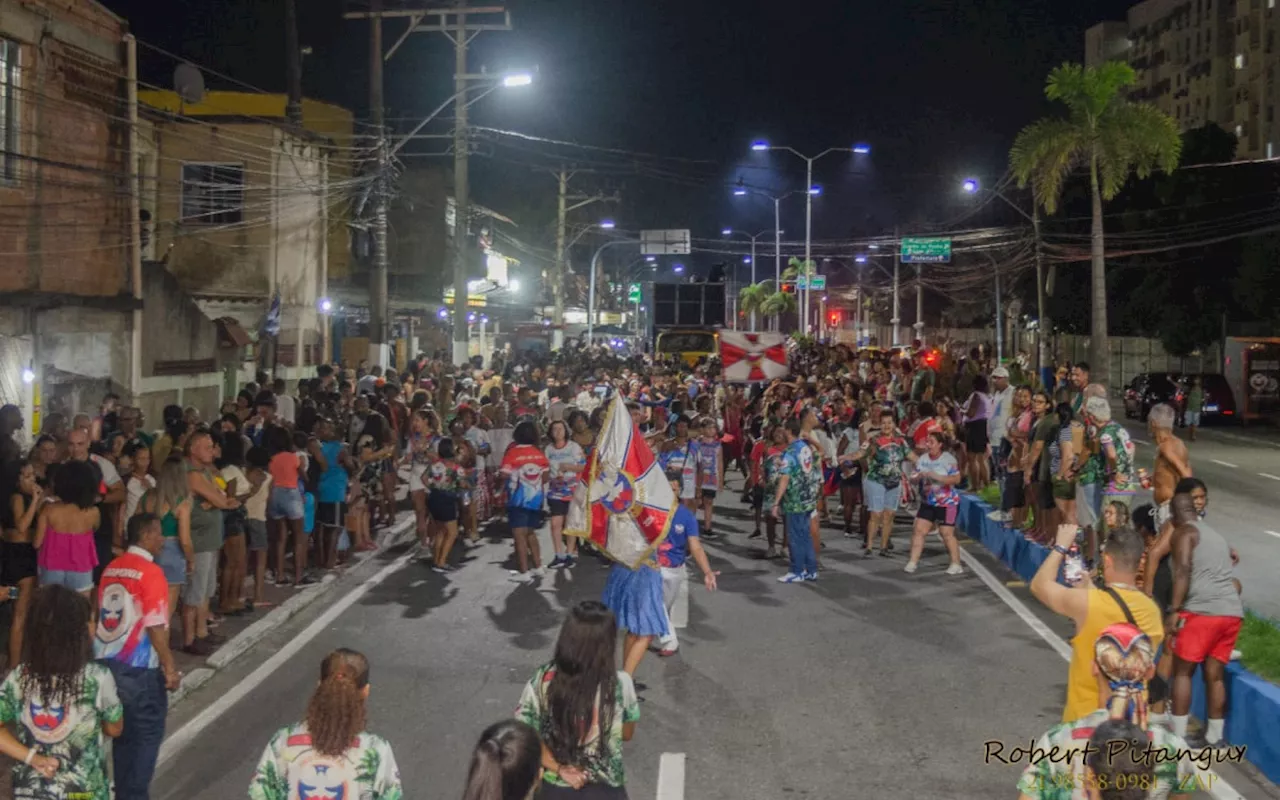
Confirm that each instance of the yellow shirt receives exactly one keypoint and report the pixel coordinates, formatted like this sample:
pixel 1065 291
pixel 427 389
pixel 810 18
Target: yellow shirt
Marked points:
pixel 1082 686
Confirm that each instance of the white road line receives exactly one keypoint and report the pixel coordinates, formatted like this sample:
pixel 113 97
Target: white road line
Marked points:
pixel 1223 463
pixel 1273 533
pixel 1269 475
pixel 1140 441
pixel 185 735
pixel 1219 788
pixel 671 776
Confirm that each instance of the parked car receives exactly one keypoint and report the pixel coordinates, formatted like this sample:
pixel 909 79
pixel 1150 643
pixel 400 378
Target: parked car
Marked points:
pixel 1152 388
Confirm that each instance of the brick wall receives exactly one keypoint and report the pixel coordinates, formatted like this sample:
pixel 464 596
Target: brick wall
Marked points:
pixel 64 218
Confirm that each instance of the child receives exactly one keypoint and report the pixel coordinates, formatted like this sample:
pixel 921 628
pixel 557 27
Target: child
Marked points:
pixel 445 480
pixel 255 508
pixel 709 459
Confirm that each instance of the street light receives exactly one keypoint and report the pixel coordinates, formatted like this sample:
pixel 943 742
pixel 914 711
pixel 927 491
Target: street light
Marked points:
pixel 751 259
pixel 651 259
pixel 607 224
pixel 812 190
pixel 513 285
pixel 517 79
pixel 861 259
pixel 678 268
pixel 971 185
pixel 325 305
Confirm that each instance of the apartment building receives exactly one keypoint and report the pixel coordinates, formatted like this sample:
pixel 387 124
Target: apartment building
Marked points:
pixel 1201 61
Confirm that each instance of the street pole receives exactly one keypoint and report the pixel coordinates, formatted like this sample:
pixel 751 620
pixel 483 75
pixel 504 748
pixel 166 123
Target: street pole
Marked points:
pixel 919 326
pixel 591 284
pixel 808 232
pixel 999 319
pixel 558 279
pixel 753 281
pixel 461 195
pixel 1042 328
pixel 897 264
pixel 378 328
pixel 293 63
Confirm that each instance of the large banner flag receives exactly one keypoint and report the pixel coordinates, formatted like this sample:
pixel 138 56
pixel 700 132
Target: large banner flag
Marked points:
pixel 623 503
pixel 753 357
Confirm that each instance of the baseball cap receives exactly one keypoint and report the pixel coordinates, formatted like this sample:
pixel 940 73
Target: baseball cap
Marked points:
pixel 999 372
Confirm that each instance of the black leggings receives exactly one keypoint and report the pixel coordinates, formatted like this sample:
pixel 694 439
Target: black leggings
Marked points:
pixel 592 791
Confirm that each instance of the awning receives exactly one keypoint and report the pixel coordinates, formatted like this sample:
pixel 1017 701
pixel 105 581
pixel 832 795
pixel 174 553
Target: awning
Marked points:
pixel 231 333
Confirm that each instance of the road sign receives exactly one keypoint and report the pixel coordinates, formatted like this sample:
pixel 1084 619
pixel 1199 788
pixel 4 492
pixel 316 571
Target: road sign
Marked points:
pixel 819 283
pixel 926 251
pixel 633 294
pixel 664 243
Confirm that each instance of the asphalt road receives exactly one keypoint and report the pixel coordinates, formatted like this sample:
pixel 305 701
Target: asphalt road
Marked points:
pixel 1241 468
pixel 871 683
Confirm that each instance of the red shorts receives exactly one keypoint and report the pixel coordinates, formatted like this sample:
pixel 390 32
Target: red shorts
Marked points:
pixel 1200 637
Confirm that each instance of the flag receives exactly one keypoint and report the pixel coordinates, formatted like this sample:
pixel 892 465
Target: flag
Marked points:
pixel 753 357
pixel 623 503
pixel 271 324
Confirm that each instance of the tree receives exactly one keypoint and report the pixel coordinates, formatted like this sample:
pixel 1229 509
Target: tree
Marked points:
pixel 1109 136
pixel 752 298
pixel 777 304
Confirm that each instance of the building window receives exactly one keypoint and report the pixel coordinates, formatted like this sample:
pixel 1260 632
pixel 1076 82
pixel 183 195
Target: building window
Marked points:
pixel 1239 60
pixel 8 110
pixel 1239 131
pixel 1269 150
pixel 212 194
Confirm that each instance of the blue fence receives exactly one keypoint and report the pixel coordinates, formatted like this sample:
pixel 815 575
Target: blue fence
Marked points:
pixel 1253 703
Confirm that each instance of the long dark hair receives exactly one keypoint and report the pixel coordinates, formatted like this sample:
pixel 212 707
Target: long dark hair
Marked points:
pixel 506 763
pixel 335 715
pixel 57 645
pixel 1064 412
pixel 585 669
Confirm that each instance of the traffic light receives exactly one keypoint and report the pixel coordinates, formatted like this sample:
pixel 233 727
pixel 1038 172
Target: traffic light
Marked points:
pixel 834 318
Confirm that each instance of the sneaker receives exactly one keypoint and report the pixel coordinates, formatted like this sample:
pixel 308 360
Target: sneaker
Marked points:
pixel 570 560
pixel 866 552
pixel 756 534
pixel 439 570
pixel 811 577
pixel 955 569
pixel 772 552
pixel 791 577
pixel 558 562
pixel 521 577
pixel 539 572
pixel 910 567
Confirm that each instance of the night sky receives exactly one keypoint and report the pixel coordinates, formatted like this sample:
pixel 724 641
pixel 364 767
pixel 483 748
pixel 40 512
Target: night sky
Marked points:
pixel 937 88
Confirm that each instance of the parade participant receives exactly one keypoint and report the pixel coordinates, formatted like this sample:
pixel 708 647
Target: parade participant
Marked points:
pixel 525 468
pixel 286 507
pixel 677 452
pixel 1013 497
pixel 681 543
pixel 567 461
pixel 939 474
pixel 708 457
pixel 330 750
pixel 57 672
pixel 1205 612
pixel 1116 451
pixel 584 708
pixel 255 509
pixel 335 466
pixel 1122 663
pixel 506 763
pixel 132 640
pixel 230 463
pixel 769 452
pixel 850 477
pixel 423 437
pixel 583 436
pixel 444 480
pixel 796 496
pixel 884 452
pixel 1093 609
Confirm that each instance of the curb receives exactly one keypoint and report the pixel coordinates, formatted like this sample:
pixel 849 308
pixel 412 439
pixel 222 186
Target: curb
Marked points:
pixel 242 642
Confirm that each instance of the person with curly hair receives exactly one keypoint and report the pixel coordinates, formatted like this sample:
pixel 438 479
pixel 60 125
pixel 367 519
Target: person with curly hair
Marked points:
pixel 330 749
pixel 60 702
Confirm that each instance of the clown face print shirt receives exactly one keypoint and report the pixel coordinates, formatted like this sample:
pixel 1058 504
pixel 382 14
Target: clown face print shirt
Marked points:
pixel 69 730
pixel 292 769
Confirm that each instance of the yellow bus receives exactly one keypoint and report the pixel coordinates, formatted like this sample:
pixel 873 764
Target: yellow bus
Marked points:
pixel 690 344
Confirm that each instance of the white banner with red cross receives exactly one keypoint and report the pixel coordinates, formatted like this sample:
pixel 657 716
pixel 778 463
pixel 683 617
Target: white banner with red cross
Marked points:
pixel 753 357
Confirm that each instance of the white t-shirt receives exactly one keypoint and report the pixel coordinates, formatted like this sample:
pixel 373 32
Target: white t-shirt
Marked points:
pixel 998 422
pixel 135 488
pixel 231 473
pixel 255 505
pixel 286 408
pixel 110 476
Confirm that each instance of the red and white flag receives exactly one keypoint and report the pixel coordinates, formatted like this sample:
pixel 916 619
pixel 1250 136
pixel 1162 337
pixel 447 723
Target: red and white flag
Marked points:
pixel 753 357
pixel 624 502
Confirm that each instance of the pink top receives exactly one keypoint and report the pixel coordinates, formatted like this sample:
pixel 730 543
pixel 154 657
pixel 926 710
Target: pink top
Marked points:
pixel 68 552
pixel 284 470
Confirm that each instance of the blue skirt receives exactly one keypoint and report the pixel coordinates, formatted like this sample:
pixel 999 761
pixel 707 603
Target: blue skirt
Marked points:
pixel 635 598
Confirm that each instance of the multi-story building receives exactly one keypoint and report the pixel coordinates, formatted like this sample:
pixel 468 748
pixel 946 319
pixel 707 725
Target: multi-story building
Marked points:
pixel 1201 61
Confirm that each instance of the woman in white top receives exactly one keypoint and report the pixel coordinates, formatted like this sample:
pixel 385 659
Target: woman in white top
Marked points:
pixel 138 482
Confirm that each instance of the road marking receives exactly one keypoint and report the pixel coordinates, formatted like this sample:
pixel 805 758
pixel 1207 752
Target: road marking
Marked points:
pixel 1273 533
pixel 1140 441
pixel 1219 789
pixel 1223 463
pixel 671 776
pixel 185 735
pixel 1269 475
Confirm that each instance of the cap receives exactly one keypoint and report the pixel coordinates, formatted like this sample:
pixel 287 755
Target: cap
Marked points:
pixel 1000 372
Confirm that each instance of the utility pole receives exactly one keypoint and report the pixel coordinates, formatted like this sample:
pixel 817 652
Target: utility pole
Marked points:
pixel 897 265
pixel 378 316
pixel 461 25
pixel 293 63
pixel 566 203
pixel 1043 328
pixel 919 326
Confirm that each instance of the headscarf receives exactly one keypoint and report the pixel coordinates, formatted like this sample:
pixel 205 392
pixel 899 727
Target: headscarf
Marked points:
pixel 1124 655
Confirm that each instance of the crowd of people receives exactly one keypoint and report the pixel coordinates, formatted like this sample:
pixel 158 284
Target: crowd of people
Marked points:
pixel 122 546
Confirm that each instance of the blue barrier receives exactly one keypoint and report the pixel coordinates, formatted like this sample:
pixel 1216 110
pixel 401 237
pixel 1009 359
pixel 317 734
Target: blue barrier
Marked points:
pixel 1253 703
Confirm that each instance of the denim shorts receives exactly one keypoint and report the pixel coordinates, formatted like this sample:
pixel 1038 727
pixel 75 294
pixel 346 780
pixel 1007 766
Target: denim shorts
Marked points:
pixel 285 503
pixel 75 581
pixel 173 562
pixel 524 518
pixel 879 499
pixel 257 530
pixel 204 581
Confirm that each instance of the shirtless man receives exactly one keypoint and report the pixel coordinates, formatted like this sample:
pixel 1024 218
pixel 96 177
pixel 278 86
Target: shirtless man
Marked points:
pixel 1173 463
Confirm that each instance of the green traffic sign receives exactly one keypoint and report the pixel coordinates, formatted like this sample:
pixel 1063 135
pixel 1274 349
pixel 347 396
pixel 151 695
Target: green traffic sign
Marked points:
pixel 926 251
pixel 634 294
pixel 819 283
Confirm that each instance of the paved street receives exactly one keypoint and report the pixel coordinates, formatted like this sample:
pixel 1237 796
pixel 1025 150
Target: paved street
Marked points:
pixel 1241 467
pixel 871 683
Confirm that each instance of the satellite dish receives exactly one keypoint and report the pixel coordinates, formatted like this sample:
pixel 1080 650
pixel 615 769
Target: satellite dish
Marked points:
pixel 188 83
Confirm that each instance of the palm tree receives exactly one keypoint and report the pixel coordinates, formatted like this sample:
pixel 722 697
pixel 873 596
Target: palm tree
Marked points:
pixel 777 304
pixel 1109 135
pixel 752 297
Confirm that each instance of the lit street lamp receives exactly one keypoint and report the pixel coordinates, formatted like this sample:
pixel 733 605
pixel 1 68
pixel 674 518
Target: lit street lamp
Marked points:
pixel 751 259
pixel 812 191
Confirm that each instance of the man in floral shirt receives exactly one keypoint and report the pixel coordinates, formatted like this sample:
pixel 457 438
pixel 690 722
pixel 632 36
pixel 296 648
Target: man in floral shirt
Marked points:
pixel 1116 452
pixel 796 497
